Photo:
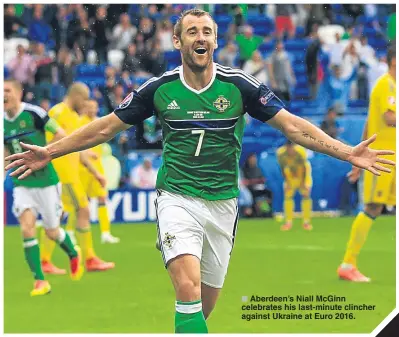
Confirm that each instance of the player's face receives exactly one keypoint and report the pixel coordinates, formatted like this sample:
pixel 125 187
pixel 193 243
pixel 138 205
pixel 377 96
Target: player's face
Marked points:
pixel 197 42
pixel 91 109
pixel 80 100
pixel 11 97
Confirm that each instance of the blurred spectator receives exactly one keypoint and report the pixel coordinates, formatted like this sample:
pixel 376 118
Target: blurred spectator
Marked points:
pixel 165 35
pixel 149 134
pixel 115 97
pixel 46 71
pixel 375 71
pixel 45 104
pixel 353 10
pixel 284 22
pixel 22 68
pixel 60 23
pixel 366 52
pixel 330 124
pixel 66 66
pixel 228 55
pixel 337 87
pixel 336 49
pixel 144 175
pixel 247 43
pixel 147 28
pixel 155 63
pixel 112 167
pixel 39 30
pixel 131 63
pixel 123 33
pixel 281 75
pixel 312 66
pixel 254 180
pixel 256 67
pixel 100 31
pixel 81 35
pixel 13 25
pixel 245 199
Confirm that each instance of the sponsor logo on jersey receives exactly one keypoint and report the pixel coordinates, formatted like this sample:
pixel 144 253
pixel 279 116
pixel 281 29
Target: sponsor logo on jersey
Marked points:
pixel 391 100
pixel 173 106
pixel 198 114
pixel 22 124
pixel 221 104
pixel 266 98
pixel 125 103
pixel 168 240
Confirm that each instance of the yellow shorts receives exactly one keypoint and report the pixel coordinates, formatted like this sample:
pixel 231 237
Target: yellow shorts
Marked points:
pixel 380 189
pixel 74 196
pixel 291 186
pixel 91 185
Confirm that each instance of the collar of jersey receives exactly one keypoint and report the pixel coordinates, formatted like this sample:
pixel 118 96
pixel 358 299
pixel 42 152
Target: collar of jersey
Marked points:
pixel 203 89
pixel 21 108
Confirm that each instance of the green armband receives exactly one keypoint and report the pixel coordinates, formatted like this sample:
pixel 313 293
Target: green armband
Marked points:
pixel 51 126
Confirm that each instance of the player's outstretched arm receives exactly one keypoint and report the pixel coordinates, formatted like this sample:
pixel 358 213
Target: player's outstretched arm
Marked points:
pixel 310 136
pixel 99 131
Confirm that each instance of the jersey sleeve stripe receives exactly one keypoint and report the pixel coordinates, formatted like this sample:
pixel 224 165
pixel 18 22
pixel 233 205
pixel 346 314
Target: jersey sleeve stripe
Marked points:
pixel 154 79
pixel 36 109
pixel 231 70
pixel 256 85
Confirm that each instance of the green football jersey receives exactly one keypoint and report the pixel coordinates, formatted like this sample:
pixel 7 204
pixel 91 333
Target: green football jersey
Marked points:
pixel 28 127
pixel 202 129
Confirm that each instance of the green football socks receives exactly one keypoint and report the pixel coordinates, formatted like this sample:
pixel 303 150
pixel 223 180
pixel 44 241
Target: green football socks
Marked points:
pixel 189 317
pixel 32 256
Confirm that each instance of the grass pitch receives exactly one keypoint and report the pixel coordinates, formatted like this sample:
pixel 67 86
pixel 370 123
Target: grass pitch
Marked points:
pixel 137 296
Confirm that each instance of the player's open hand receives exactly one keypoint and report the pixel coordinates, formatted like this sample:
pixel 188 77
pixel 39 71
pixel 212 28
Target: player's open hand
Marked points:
pixel 369 159
pixel 29 161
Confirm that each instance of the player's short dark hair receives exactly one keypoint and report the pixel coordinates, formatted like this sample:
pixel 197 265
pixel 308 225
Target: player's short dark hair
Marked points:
pixel 16 84
pixel 391 54
pixel 177 30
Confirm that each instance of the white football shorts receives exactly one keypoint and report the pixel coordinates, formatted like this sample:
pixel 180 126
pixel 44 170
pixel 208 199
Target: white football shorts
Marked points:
pixel 195 226
pixel 45 201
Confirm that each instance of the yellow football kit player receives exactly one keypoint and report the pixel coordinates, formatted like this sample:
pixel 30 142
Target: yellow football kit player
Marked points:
pixel 297 174
pixel 90 184
pixel 378 190
pixel 74 197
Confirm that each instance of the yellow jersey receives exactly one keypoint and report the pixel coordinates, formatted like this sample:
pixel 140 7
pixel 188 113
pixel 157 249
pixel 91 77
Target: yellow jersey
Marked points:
pixel 67 167
pixel 294 166
pixel 382 99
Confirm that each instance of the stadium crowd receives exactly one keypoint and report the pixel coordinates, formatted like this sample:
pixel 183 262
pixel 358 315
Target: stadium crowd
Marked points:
pixel 325 54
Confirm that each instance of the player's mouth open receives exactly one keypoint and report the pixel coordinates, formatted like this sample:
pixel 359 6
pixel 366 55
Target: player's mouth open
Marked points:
pixel 200 50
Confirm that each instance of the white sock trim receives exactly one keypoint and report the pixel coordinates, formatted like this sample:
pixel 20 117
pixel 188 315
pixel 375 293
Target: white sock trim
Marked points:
pixel 31 243
pixel 188 308
pixel 61 236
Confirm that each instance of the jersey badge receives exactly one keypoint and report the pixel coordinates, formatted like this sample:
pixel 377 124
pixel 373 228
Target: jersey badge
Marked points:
pixel 125 103
pixel 266 98
pixel 22 124
pixel 221 104
pixel 168 240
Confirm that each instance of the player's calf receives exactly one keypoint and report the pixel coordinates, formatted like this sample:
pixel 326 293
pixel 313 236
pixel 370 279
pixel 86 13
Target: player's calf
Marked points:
pixel 184 272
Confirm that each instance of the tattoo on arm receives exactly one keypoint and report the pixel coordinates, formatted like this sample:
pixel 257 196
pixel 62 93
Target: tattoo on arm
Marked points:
pixel 321 142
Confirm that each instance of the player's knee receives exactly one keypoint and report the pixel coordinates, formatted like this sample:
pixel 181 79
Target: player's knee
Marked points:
pixel 28 229
pixel 373 209
pixel 188 290
pixel 52 233
pixel 83 212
